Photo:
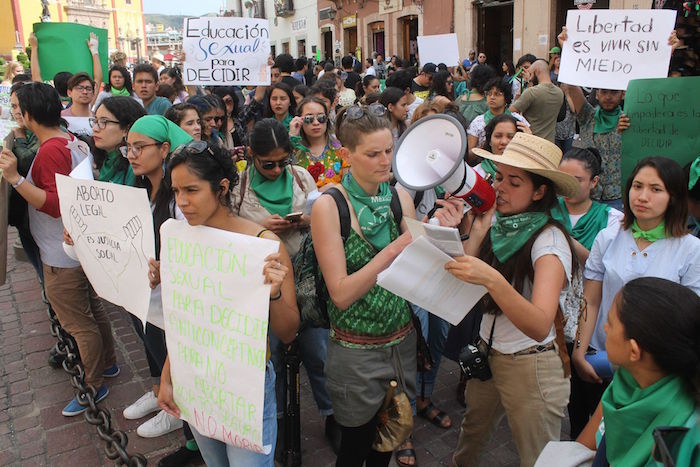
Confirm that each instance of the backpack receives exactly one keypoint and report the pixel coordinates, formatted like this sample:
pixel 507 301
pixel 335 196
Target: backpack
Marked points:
pixel 312 294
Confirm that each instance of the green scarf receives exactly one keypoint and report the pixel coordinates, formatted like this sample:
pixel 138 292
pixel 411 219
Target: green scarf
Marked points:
pixel 489 167
pixel 161 129
pixel 488 116
pixel 275 195
pixel 373 212
pixel 588 226
pixel 510 233
pixel 694 174
pixel 657 233
pixel 287 120
pixel 111 172
pixel 119 92
pixel 606 120
pixel 631 413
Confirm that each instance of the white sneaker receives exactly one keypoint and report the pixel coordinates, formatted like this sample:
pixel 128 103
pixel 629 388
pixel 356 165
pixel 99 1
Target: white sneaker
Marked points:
pixel 159 425
pixel 146 404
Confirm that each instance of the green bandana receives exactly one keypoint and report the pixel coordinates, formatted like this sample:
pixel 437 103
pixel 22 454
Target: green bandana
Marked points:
pixel 161 129
pixel 631 413
pixel 588 226
pixel 113 173
pixel 694 174
pixel 275 195
pixel 510 233
pixel 606 120
pixel 287 120
pixel 373 212
pixel 489 167
pixel 119 92
pixel 657 233
pixel 488 116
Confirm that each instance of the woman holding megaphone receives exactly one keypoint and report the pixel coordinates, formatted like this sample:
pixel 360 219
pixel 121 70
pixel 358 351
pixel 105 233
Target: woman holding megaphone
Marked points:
pixel 525 260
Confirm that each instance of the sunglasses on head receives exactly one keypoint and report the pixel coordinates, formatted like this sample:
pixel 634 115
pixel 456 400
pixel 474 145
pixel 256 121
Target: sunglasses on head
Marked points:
pixel 356 112
pixel 269 165
pixel 320 118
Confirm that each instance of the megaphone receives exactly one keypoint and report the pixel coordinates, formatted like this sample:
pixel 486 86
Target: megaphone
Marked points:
pixel 431 153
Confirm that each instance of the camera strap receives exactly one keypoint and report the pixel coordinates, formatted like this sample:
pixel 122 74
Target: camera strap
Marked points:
pixel 493 326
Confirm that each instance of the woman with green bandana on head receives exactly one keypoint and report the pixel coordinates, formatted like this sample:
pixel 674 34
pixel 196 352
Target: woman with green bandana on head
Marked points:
pixel 525 260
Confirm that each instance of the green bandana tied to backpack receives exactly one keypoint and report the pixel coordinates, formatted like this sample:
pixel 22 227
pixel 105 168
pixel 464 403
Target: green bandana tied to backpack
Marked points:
pixel 510 233
pixel 373 212
pixel 275 195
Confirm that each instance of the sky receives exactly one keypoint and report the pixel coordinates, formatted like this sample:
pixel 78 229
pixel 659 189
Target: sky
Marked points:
pixel 182 7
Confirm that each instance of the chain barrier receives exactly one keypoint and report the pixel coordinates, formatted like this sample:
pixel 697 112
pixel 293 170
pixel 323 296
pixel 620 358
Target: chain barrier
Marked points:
pixel 115 440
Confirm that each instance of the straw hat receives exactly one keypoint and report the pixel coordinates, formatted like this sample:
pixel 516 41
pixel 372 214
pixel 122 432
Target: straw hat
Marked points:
pixel 536 155
pixel 158 56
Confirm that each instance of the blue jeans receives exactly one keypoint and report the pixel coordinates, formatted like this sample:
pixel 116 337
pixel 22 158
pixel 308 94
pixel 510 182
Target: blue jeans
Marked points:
pixel 313 343
pixel 435 331
pixel 219 454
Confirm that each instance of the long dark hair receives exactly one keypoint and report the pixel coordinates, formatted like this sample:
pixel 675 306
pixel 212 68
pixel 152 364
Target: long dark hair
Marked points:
pixel 126 110
pixel 267 135
pixel 392 96
pixel 314 100
pixel 125 74
pixel 174 73
pixel 589 157
pixel 439 86
pixel 268 113
pixel 491 126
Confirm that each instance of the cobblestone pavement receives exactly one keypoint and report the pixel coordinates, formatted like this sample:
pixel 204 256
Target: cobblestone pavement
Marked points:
pixel 34 433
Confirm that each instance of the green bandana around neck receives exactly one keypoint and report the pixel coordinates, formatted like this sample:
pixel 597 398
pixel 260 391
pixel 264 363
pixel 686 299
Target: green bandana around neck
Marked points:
pixel 606 120
pixel 652 235
pixel 588 226
pixel 275 195
pixel 489 167
pixel 373 212
pixel 631 413
pixel 510 233
pixel 119 92
pixel 287 120
pixel 488 116
pixel 694 174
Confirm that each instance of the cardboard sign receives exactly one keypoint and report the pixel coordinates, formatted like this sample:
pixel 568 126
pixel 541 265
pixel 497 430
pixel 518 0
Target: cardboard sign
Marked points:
pixel 112 230
pixel 439 48
pixel 664 121
pixel 606 49
pixel 226 51
pixel 216 310
pixel 62 47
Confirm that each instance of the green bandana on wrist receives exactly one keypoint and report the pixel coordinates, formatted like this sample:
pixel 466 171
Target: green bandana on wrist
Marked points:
pixel 606 120
pixel 119 92
pixel 373 212
pixel 694 173
pixel 652 235
pixel 275 195
pixel 510 233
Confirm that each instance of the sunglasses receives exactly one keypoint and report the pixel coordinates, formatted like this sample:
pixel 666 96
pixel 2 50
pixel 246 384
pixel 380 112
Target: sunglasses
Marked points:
pixel 356 111
pixel 320 118
pixel 269 165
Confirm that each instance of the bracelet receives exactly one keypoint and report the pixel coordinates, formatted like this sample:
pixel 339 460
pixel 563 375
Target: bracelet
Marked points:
pixel 277 297
pixel 19 182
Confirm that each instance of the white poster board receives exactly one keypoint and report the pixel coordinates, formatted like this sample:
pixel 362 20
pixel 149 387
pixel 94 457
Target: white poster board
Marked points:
pixel 606 49
pixel 439 48
pixel 215 305
pixel 112 230
pixel 226 51
pixel 79 126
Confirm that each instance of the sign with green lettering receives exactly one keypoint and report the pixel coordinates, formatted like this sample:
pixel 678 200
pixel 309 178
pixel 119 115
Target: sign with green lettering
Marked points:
pixel 664 121
pixel 62 47
pixel 216 309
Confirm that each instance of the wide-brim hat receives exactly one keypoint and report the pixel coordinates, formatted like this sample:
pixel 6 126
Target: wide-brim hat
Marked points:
pixel 158 56
pixel 536 155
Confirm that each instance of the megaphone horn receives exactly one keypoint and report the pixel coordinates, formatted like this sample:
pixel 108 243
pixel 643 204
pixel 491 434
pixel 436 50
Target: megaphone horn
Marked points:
pixel 431 153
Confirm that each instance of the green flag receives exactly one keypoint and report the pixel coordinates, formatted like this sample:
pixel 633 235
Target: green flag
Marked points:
pixel 318 55
pixel 62 47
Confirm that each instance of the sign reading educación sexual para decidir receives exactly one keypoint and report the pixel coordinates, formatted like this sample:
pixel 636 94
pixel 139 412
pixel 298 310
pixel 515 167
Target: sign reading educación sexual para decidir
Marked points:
pixel 216 309
pixel 226 51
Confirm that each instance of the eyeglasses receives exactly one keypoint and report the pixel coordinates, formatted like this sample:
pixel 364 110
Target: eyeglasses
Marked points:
pixel 269 165
pixel 82 88
pixel 320 118
pixel 356 112
pixel 136 150
pixel 101 123
pixel 215 119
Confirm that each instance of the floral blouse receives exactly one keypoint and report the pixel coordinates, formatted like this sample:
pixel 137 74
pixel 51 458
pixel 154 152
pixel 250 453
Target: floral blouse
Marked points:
pixel 330 168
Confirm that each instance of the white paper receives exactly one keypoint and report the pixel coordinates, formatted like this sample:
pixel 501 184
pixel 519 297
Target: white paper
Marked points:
pixel 112 230
pixel 83 171
pixel 216 310
pixel 226 51
pixel 79 125
pixel 447 239
pixel 418 274
pixel 635 46
pixel 439 48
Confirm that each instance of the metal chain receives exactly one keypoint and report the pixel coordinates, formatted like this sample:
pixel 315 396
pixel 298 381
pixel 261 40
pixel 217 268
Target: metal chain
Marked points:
pixel 115 440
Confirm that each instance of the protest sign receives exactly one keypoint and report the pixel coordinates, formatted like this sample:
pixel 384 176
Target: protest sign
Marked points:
pixel 215 305
pixel 62 47
pixel 79 125
pixel 226 51
pixel 439 48
pixel 664 121
pixel 606 49
pixel 112 230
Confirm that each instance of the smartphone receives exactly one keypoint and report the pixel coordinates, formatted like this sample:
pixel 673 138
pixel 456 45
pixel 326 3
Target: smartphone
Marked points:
pixel 294 216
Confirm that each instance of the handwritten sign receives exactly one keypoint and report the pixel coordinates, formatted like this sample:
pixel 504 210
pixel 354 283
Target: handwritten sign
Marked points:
pixel 438 48
pixel 664 121
pixel 112 230
pixel 608 48
pixel 215 305
pixel 226 51
pixel 79 126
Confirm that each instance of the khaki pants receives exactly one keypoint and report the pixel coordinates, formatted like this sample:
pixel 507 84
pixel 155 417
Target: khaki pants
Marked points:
pixel 82 315
pixel 532 392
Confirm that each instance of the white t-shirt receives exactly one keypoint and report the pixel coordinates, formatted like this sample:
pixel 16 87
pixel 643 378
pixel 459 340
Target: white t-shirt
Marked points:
pixel 478 127
pixel 412 108
pixel 507 338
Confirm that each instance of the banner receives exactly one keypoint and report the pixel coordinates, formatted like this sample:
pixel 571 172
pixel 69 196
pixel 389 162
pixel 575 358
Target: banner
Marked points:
pixel 439 48
pixel 664 121
pixel 606 49
pixel 226 51
pixel 112 230
pixel 216 309
pixel 62 47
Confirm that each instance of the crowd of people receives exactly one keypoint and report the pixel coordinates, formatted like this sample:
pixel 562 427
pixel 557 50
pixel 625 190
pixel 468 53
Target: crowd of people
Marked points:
pixel 586 273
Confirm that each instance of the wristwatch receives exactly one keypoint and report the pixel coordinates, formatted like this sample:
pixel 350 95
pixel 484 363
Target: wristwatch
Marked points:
pixel 19 182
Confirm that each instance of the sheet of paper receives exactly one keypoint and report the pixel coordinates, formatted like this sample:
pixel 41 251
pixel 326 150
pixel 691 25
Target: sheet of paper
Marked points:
pixel 445 238
pixel 438 48
pixel 83 171
pixel 79 125
pixel 418 274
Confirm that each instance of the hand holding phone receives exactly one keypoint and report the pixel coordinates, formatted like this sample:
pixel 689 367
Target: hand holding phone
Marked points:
pixel 294 216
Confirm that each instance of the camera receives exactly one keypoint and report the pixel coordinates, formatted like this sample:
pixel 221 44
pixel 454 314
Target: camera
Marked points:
pixel 474 363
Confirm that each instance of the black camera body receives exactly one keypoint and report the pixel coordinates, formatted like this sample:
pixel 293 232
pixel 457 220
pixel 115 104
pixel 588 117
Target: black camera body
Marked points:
pixel 474 363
